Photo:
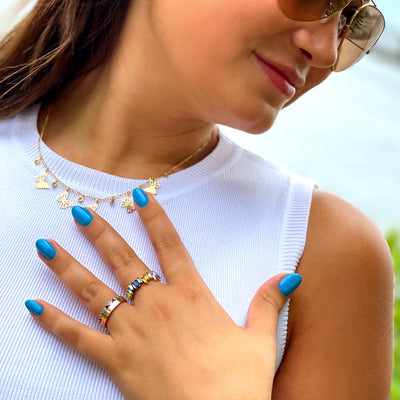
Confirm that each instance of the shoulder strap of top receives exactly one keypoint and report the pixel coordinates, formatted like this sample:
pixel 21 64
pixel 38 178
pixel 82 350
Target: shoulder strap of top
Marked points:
pixel 293 239
pixel 295 222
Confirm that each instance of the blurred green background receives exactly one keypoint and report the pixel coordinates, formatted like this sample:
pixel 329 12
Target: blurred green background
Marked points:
pixel 393 239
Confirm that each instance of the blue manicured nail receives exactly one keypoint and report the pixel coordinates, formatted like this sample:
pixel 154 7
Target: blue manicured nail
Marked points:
pixel 34 307
pixel 45 249
pixel 289 284
pixel 140 197
pixel 82 215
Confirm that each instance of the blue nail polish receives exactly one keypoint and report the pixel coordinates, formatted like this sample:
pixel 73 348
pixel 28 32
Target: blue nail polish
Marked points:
pixel 34 307
pixel 289 284
pixel 82 215
pixel 140 197
pixel 45 249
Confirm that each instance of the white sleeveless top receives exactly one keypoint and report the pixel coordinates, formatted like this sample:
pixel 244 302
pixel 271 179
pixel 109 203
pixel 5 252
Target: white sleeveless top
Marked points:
pixel 243 220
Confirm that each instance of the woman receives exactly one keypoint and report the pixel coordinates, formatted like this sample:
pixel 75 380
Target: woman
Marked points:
pixel 101 95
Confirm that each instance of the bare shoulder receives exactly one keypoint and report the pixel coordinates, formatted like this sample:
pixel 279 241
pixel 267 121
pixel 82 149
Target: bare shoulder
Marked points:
pixel 340 321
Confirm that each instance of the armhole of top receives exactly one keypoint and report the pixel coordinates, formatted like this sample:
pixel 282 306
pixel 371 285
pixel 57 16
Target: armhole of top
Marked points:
pixel 292 242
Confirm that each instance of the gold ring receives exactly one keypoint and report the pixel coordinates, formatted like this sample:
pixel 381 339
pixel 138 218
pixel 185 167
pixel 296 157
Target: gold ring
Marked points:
pixel 109 308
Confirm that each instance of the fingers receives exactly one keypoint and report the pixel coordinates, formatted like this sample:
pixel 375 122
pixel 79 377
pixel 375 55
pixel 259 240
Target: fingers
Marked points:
pixel 90 290
pixel 82 338
pixel 112 247
pixel 262 317
pixel 173 257
pixel 172 254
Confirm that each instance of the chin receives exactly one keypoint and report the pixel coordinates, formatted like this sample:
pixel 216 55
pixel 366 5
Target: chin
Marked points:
pixel 314 78
pixel 254 123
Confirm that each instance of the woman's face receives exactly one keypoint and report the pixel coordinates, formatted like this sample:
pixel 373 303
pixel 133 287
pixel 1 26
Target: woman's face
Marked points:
pixel 238 62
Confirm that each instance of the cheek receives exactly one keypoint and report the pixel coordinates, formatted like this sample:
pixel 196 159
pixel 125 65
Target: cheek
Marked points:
pixel 207 34
pixel 209 51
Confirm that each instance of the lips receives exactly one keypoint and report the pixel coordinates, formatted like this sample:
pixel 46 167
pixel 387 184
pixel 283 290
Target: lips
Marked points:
pixel 286 79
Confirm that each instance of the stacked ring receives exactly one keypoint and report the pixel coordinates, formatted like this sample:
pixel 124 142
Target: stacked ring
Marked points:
pixel 109 308
pixel 138 282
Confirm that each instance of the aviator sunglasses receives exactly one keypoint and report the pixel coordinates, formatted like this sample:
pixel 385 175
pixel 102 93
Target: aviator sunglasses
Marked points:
pixel 360 24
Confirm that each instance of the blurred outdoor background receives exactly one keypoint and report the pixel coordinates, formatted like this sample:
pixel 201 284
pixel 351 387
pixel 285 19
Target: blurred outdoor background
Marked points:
pixel 349 144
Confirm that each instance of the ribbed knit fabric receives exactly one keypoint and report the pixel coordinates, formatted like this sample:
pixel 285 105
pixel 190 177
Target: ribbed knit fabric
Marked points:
pixel 243 220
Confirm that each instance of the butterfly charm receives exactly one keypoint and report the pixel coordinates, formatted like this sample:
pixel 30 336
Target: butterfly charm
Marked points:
pixel 63 199
pixel 94 206
pixel 41 178
pixel 126 203
pixel 152 186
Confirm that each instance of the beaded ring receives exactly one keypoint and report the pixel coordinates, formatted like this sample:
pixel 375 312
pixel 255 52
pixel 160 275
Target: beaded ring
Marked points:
pixel 138 282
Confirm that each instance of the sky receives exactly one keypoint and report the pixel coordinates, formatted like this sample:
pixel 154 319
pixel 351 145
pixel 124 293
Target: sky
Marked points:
pixel 391 10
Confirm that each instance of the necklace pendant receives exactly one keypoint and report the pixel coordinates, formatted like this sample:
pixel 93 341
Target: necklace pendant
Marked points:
pixel 94 205
pixel 151 186
pixel 41 178
pixel 63 199
pixel 126 203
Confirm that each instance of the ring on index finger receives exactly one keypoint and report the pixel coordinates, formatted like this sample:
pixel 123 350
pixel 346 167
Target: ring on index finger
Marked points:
pixel 139 282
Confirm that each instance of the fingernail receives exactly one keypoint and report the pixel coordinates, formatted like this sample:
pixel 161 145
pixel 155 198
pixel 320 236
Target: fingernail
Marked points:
pixel 33 307
pixel 45 249
pixel 140 197
pixel 289 284
pixel 82 215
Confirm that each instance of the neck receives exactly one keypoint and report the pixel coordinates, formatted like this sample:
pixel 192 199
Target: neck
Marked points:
pixel 133 125
pixel 129 141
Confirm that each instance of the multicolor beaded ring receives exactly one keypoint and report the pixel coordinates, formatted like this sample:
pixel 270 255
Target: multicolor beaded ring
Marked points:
pixel 138 282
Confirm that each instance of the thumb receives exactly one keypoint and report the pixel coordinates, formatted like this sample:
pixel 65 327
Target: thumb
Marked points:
pixel 262 316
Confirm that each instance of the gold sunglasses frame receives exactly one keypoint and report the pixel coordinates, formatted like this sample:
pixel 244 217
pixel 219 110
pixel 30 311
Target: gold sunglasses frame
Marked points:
pixel 372 4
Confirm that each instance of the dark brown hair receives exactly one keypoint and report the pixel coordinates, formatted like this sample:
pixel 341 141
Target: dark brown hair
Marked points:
pixel 58 41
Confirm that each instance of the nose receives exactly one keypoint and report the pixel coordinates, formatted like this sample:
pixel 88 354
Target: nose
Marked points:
pixel 318 41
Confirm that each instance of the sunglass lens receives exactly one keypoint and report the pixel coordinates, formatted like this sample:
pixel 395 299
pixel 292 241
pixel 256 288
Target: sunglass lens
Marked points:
pixel 311 10
pixel 364 31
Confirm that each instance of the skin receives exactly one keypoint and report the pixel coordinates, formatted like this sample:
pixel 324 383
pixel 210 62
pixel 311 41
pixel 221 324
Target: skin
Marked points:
pixel 186 83
pixel 340 333
pixel 149 107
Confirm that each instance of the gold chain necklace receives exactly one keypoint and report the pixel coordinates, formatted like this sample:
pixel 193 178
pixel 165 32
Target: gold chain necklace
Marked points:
pixel 150 186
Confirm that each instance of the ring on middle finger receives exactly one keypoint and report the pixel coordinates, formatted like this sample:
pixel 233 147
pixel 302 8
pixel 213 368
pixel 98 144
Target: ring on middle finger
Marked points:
pixel 139 282
pixel 109 308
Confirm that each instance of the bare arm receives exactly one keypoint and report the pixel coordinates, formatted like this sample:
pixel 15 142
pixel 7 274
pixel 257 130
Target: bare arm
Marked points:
pixel 340 344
